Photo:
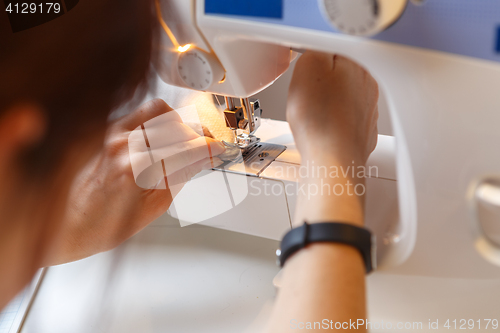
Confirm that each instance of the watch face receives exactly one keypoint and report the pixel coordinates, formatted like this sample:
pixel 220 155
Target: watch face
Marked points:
pixel 355 17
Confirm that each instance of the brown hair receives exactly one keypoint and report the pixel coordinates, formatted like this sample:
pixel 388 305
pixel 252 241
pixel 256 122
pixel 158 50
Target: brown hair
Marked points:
pixel 77 67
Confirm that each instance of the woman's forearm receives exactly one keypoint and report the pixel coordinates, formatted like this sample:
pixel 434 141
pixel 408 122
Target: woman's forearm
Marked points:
pixel 324 283
pixel 332 111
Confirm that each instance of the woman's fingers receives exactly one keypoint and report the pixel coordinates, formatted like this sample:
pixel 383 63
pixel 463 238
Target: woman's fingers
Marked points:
pixel 182 176
pixel 157 202
pixel 150 166
pixel 182 154
pixel 160 144
pixel 168 129
pixel 146 112
pixel 315 63
pixel 165 133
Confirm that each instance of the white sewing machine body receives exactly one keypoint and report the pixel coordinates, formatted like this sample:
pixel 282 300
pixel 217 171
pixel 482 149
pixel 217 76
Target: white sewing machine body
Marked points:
pixel 435 203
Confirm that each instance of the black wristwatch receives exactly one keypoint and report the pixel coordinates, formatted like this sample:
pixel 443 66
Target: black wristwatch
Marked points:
pixel 348 234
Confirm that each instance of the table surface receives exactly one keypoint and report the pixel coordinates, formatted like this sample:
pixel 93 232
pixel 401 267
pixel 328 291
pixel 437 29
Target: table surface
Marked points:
pixel 165 279
pixel 200 279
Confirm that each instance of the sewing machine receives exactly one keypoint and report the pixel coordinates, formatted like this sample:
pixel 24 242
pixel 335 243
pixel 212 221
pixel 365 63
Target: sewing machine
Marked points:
pixel 434 200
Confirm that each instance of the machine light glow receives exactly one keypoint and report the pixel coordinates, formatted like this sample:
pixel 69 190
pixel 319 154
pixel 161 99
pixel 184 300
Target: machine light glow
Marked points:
pixel 184 48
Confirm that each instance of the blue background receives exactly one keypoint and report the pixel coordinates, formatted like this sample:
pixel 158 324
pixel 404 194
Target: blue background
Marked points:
pixel 256 8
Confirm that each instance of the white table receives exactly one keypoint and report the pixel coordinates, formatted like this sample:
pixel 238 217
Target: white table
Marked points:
pixel 165 279
pixel 199 279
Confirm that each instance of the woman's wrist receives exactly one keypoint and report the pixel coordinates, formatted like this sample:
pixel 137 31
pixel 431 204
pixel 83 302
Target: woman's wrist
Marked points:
pixel 345 210
pixel 332 192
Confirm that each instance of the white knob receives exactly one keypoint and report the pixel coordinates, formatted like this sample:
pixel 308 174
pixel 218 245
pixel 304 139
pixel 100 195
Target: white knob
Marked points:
pixel 487 199
pixel 362 17
pixel 198 69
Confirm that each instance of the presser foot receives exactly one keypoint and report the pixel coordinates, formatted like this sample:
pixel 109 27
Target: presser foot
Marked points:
pixel 246 140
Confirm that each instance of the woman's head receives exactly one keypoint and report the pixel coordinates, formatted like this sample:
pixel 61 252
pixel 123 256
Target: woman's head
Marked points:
pixel 75 69
pixel 59 81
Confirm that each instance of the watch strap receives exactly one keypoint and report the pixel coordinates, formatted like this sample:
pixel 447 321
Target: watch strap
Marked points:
pixel 360 238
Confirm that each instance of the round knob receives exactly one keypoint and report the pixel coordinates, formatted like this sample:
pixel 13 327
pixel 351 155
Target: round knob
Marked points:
pixel 199 69
pixel 362 17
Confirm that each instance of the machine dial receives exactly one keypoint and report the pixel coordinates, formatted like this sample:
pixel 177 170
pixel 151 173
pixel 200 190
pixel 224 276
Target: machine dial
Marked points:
pixel 362 17
pixel 199 69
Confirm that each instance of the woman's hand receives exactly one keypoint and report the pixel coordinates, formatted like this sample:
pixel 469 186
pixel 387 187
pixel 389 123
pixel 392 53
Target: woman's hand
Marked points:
pixel 332 111
pixel 106 204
